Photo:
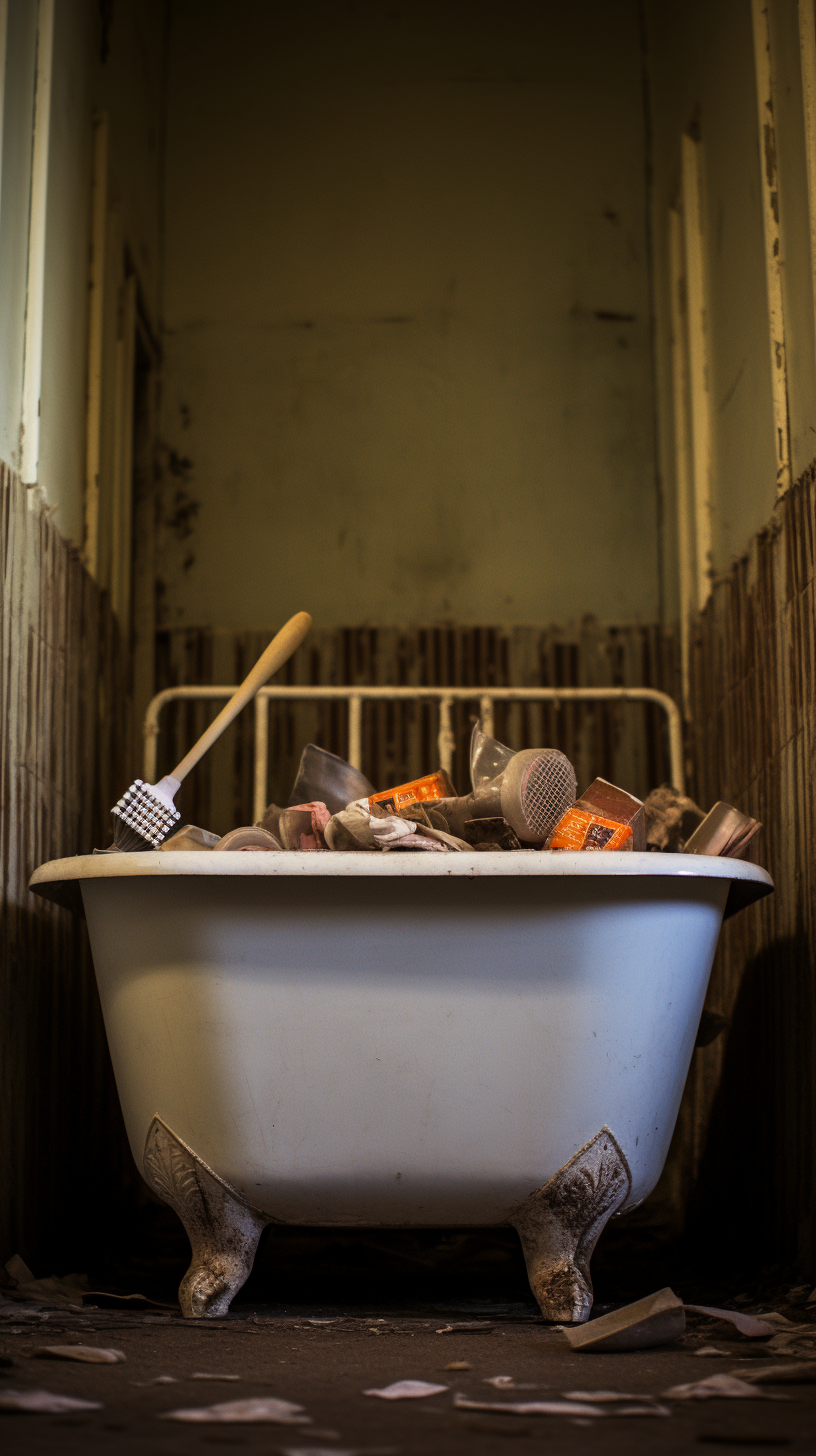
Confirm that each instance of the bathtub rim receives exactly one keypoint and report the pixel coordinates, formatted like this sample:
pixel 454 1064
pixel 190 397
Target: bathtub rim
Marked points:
pixel 59 880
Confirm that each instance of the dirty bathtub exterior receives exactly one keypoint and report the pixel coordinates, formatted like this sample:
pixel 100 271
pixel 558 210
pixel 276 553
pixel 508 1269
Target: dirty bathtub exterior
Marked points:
pixel 401 1039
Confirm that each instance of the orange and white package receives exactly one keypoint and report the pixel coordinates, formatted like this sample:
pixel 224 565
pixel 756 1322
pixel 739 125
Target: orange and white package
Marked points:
pixel 580 829
pixel 420 791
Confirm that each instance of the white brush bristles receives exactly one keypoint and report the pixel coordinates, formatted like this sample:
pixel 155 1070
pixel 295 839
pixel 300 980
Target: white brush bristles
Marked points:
pixel 142 820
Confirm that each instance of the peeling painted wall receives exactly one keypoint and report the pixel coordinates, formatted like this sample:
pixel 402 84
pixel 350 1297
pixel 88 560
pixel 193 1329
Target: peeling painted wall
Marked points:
pixel 702 72
pixel 407 315
pixel 104 57
pixel 15 194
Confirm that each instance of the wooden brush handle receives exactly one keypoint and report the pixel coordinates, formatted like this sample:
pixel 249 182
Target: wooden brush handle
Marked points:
pixel 280 648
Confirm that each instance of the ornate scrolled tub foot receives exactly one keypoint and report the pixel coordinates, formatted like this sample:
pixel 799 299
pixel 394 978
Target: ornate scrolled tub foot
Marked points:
pixel 222 1228
pixel 560 1224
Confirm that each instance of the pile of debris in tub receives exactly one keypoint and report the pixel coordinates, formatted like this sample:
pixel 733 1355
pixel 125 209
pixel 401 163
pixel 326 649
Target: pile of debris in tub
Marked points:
pixel 519 801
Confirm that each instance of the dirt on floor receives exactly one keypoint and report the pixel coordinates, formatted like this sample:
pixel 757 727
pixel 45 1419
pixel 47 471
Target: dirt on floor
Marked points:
pixel 324 1359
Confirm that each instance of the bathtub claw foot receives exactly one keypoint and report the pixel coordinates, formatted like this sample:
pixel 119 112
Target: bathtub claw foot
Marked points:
pixel 223 1230
pixel 560 1224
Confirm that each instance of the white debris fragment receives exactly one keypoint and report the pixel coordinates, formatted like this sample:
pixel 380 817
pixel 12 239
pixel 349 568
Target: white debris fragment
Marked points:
pixel 336 1451
pixel 747 1324
pixel 212 1375
pixel 318 1451
pixel 606 1397
pixel 88 1354
pixel 796 1341
pixel 793 1372
pixel 709 1350
pixel 528 1407
pixel 506 1382
pixel 644 1409
pixel 407 1390
pixel 720 1387
pixel 43 1402
pixel 262 1410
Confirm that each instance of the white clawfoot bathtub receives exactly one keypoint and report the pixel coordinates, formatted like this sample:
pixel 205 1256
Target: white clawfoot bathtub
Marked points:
pixel 401 1039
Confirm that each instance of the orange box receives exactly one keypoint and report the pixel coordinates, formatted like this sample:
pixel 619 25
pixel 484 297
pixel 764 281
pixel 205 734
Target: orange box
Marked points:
pixel 419 791
pixel 580 829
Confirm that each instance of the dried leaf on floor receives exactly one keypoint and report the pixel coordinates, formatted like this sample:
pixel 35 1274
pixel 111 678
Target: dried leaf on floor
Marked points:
pixel 261 1410
pixel 646 1409
pixel 473 1327
pixel 43 1402
pixel 407 1390
pixel 718 1387
pixel 335 1451
pixel 58 1293
pixel 793 1372
pixel 798 1341
pixel 607 1397
pixel 507 1382
pixel 88 1354
pixel 528 1407
pixel 319 1451
pixel 458 1365
pixel 747 1324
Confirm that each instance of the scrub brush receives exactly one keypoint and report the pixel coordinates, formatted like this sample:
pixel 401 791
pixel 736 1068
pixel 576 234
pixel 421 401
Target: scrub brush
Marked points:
pixel 146 814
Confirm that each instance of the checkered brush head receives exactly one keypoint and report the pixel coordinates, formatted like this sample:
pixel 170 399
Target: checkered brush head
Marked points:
pixel 141 820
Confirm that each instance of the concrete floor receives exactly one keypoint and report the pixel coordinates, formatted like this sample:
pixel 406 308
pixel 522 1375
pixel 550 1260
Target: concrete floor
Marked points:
pixel 325 1367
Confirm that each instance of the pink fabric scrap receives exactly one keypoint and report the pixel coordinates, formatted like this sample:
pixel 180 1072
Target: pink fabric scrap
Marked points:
pixel 320 818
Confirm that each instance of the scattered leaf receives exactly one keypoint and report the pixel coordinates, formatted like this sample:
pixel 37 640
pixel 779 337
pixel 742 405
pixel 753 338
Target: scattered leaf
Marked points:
pixel 335 1451
pixel 528 1407
pixel 793 1372
pixel 42 1402
pixel 458 1365
pixel 605 1397
pixel 721 1387
pixel 645 1409
pixel 747 1324
pixel 475 1327
pixel 263 1410
pixel 88 1354
pixel 407 1390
